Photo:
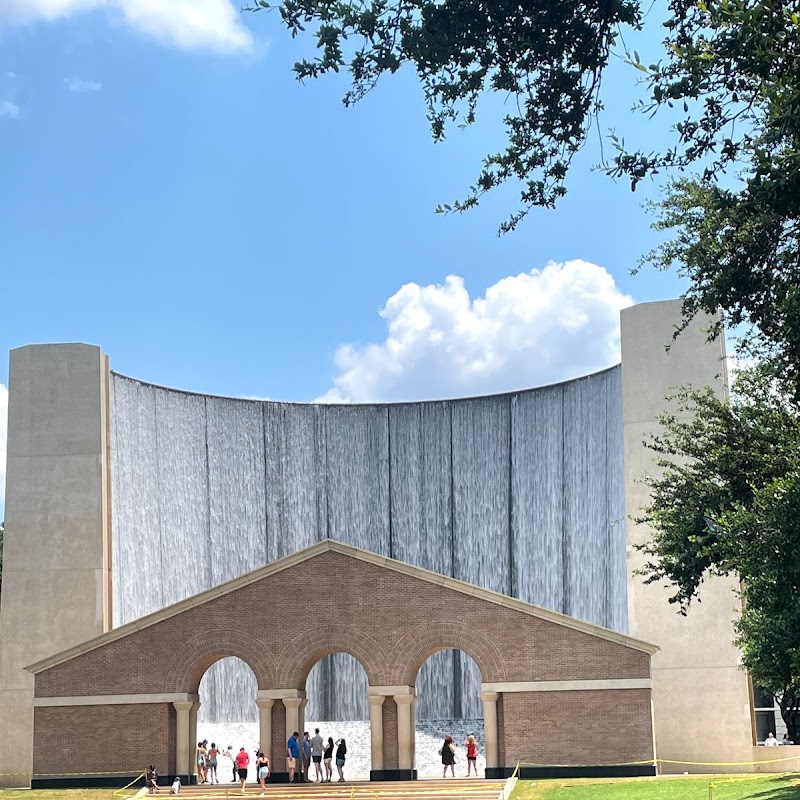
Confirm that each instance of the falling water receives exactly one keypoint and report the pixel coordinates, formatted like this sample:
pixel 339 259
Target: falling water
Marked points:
pixel 519 493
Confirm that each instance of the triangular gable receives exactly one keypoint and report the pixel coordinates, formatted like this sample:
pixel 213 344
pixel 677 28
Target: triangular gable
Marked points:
pixel 330 545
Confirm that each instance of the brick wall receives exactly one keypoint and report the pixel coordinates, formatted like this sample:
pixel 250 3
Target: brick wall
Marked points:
pixel 382 617
pixel 390 734
pixel 392 640
pixel 104 739
pixel 585 727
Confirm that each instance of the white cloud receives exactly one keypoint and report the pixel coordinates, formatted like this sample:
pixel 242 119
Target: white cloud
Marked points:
pixel 189 24
pixel 3 437
pixel 527 330
pixel 81 86
pixel 8 109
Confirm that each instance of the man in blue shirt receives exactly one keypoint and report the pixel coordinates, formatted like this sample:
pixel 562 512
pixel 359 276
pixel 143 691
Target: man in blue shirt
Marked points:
pixel 292 754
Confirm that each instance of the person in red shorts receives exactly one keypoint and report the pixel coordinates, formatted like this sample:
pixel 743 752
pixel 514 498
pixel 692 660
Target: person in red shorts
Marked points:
pixel 242 760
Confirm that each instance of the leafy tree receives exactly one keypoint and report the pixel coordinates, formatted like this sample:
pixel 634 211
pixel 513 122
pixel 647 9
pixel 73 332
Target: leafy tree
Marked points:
pixel 727 70
pixel 548 57
pixel 726 502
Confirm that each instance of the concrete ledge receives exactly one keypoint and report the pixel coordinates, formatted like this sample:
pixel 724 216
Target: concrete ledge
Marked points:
pixel 393 775
pixel 113 699
pixel 569 686
pixel 598 771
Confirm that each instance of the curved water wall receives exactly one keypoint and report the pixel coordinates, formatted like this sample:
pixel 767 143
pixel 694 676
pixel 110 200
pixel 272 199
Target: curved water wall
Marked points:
pixel 521 493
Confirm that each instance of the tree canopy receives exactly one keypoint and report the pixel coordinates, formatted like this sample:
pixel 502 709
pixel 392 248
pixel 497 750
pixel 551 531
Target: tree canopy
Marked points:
pixel 726 502
pixel 729 70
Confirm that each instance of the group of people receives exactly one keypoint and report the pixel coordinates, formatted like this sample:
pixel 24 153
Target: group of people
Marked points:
pixel 771 741
pixel 208 761
pixel 448 754
pixel 302 753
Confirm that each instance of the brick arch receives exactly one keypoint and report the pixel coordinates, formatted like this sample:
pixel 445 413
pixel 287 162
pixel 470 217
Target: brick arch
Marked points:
pixel 302 652
pixel 199 653
pixel 427 638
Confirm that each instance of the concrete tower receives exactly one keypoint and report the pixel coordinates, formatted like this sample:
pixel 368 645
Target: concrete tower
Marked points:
pixel 56 560
pixel 701 698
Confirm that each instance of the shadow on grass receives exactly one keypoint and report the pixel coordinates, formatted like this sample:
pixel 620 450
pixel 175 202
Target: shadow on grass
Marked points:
pixel 782 792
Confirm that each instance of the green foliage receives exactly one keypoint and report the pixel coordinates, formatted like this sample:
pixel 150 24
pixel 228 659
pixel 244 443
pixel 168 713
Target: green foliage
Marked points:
pixel 545 58
pixel 734 69
pixel 727 502
pixel 729 69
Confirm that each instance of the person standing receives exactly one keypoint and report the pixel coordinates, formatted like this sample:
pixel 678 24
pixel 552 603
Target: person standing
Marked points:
pixel 242 760
pixel 448 756
pixel 262 765
pixel 472 755
pixel 229 754
pixel 305 757
pixel 292 754
pixel 213 754
pixel 341 752
pixel 327 757
pixel 317 746
pixel 201 762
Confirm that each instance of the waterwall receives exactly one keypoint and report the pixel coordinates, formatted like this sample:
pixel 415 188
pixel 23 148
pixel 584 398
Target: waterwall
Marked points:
pixel 520 493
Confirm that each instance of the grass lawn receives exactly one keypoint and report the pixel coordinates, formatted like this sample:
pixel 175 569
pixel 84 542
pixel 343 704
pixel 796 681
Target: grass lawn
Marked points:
pixel 672 787
pixel 59 794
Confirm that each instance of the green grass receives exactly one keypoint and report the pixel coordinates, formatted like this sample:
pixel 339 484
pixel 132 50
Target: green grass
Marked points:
pixel 671 787
pixel 59 794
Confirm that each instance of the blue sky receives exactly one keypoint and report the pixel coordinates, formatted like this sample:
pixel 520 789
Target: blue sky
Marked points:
pixel 170 192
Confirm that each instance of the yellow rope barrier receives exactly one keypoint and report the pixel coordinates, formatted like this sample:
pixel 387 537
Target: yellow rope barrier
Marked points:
pixel 656 761
pixel 116 794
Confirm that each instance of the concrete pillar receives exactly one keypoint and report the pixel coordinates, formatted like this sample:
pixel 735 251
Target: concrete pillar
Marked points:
pixel 292 715
pixel 414 732
pixel 490 727
pixel 265 726
pixel 301 726
pixel 405 740
pixel 696 676
pixel 193 711
pixel 57 550
pixel 183 742
pixel 376 729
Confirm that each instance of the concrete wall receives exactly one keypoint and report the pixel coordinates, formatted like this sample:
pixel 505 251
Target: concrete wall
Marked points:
pixel 56 584
pixel 701 697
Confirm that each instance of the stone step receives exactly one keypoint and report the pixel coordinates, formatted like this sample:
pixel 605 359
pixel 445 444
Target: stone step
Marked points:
pixel 426 789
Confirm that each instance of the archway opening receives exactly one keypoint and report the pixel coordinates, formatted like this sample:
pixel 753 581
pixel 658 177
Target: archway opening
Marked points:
pixel 336 689
pixel 449 704
pixel 228 716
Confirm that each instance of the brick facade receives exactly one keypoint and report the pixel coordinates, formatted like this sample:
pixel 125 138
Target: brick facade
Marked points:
pixel 382 616
pixel 121 739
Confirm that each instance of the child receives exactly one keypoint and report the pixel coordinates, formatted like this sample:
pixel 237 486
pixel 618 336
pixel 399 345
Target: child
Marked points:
pixel 176 786
pixel 152 780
